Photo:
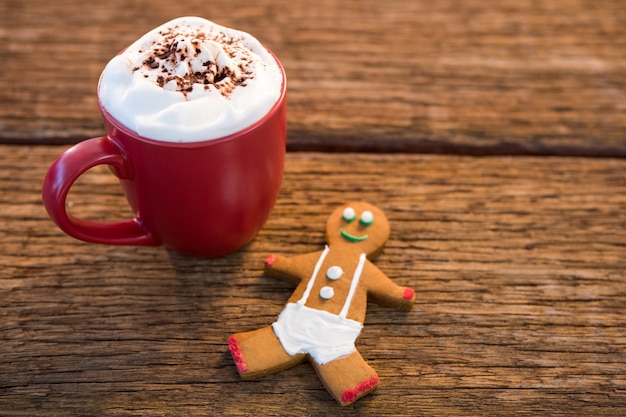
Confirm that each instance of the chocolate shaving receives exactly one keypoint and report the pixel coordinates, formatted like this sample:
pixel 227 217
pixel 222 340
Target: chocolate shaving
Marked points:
pixel 169 54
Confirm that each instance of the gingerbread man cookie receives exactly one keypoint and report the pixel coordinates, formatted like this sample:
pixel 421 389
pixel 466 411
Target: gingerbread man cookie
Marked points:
pixel 324 316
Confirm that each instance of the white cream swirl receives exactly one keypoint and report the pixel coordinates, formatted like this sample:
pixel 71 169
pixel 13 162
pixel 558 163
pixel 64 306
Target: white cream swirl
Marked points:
pixel 191 80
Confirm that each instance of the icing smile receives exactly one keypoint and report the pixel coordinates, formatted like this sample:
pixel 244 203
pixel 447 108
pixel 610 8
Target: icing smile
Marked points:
pixel 352 238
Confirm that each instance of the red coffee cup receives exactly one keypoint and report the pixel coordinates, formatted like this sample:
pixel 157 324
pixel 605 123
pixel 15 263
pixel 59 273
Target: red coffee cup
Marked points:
pixel 204 199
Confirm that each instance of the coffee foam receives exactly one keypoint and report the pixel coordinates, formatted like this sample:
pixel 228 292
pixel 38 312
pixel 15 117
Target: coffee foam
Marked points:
pixel 191 80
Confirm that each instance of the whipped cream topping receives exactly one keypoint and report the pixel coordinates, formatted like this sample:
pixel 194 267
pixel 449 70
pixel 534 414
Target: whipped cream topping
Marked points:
pixel 191 80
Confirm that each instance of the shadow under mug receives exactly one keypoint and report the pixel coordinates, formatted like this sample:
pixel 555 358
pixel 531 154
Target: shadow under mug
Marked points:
pixel 203 199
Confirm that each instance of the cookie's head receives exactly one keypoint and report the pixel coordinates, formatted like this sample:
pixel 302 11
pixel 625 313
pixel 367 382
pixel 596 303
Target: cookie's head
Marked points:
pixel 358 225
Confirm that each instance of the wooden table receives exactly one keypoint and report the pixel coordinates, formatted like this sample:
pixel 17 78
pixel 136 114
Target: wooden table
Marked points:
pixel 492 133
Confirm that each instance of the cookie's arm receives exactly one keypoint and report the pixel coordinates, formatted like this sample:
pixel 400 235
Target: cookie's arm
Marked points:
pixel 382 290
pixel 290 269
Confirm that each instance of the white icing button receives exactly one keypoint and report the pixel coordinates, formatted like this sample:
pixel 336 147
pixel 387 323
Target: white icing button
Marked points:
pixel 327 293
pixel 334 272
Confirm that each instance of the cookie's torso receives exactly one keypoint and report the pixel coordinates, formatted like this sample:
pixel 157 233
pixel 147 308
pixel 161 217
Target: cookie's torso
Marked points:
pixel 338 286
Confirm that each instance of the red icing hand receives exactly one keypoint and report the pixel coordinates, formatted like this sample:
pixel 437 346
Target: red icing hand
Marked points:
pixel 408 294
pixel 270 259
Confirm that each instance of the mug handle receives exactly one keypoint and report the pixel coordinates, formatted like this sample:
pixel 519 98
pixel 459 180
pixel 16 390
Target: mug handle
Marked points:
pixel 65 171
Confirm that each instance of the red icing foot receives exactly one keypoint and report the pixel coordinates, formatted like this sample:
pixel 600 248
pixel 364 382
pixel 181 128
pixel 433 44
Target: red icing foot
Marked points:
pixel 270 259
pixel 408 293
pixel 235 350
pixel 351 394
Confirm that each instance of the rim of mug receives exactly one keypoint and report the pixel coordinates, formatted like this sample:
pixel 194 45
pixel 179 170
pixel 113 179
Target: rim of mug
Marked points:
pixel 199 143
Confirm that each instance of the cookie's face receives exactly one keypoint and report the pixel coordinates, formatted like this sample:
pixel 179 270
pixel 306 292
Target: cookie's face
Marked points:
pixel 358 225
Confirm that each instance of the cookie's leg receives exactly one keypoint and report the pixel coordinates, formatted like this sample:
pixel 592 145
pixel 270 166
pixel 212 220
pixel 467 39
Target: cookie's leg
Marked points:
pixel 259 353
pixel 347 379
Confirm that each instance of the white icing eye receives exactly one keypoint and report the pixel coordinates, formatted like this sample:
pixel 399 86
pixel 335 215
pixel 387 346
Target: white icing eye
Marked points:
pixel 334 272
pixel 327 293
pixel 349 214
pixel 367 218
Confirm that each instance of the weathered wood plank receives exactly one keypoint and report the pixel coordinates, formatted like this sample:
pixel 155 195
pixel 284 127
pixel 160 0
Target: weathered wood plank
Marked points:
pixel 466 77
pixel 518 265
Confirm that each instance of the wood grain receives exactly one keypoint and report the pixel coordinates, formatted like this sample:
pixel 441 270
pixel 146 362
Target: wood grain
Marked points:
pixel 472 77
pixel 518 265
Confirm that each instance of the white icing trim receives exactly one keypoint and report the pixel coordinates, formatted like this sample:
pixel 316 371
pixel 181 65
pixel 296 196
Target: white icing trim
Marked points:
pixel 309 284
pixel 355 282
pixel 322 335
pixel 353 285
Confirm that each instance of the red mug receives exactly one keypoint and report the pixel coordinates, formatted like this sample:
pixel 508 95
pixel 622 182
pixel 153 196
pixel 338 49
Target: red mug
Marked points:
pixel 203 199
